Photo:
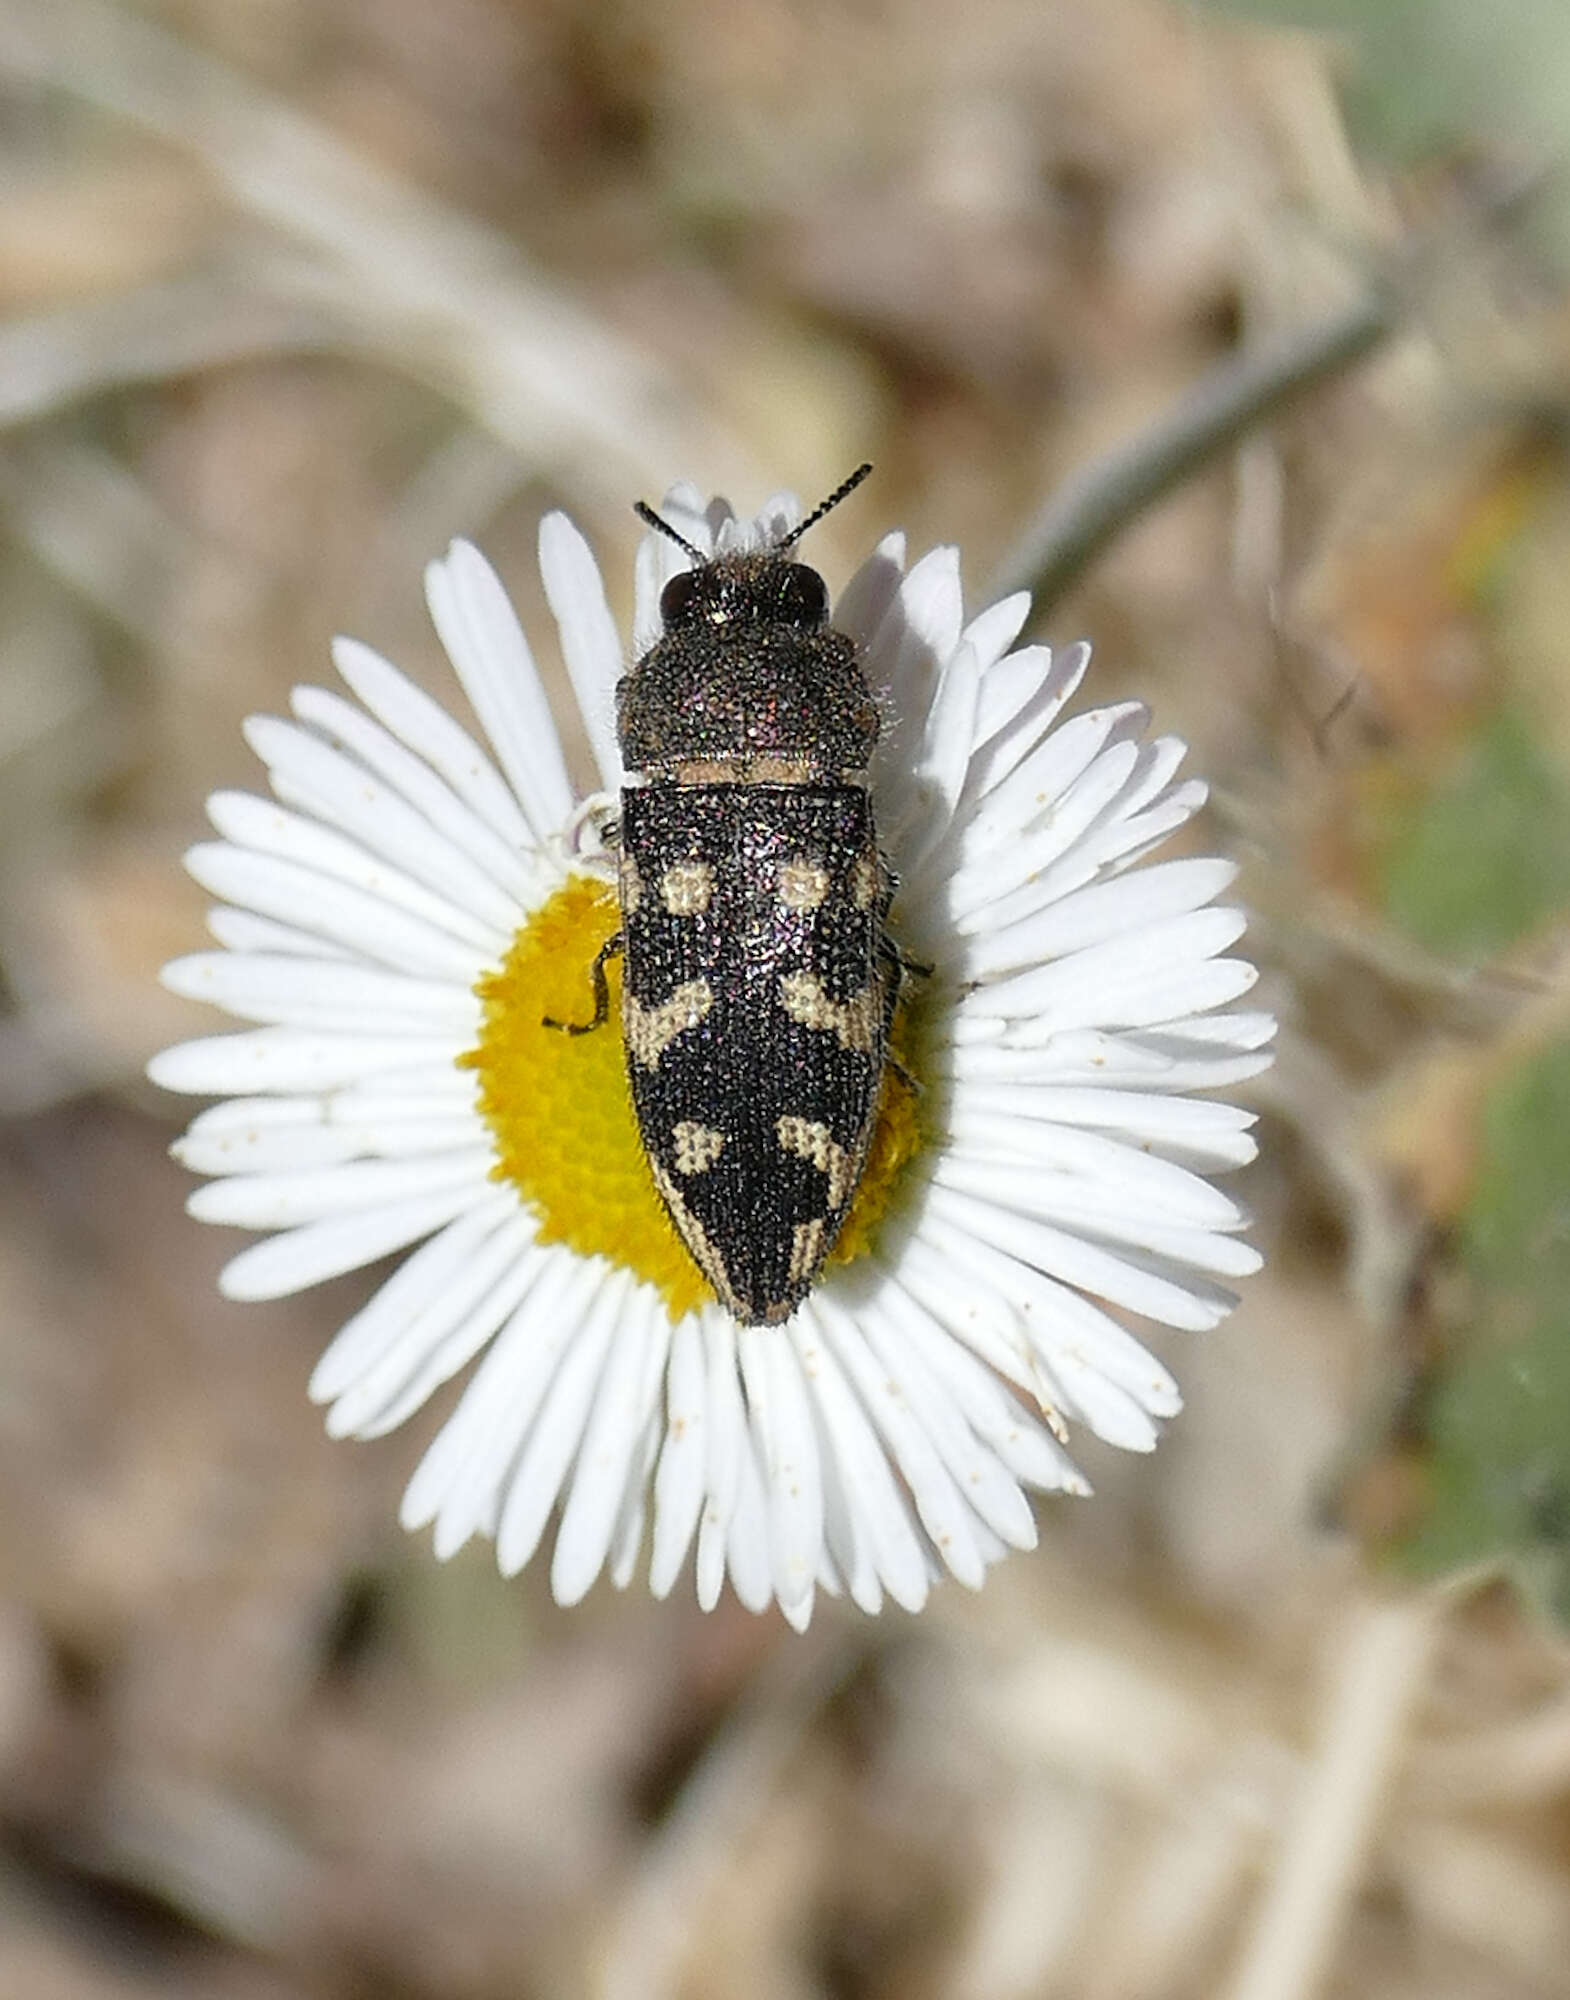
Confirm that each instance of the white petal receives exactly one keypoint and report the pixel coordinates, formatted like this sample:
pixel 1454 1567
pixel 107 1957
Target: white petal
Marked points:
pixel 1148 808
pixel 553 1443
pixel 267 830
pixel 862 1466
pixel 459 1481
pixel 445 1337
pixel 1102 847
pixel 829 1581
pixel 726 1425
pixel 326 875
pixel 1021 698
pixel 1184 1070
pixel 864 603
pixel 679 1482
pixel 1094 915
pixel 798 1613
pixel 1194 1303
pixel 905 662
pixel 239 1115
pixel 631 1522
pixel 413 1287
pixel 1040 783
pixel 947 1520
pixel 1050 849
pixel 302 1257
pixel 776 518
pixel 747 1538
pixel 951 724
pixel 424 727
pixel 1114 1415
pixel 1233 1031
pixel 444 1092
pixel 281 1201
pixel 261 1061
pixel 243 930
pixel 1124 840
pixel 491 657
pixel 590 643
pixel 991 632
pixel 651 571
pixel 906 1342
pixel 1194 1130
pixel 848 1555
pixel 790 1461
pixel 1097 1214
pixel 258 1145
pixel 1109 1062
pixel 1097 1371
pixel 974 1314
pixel 1108 1174
pixel 930 610
pixel 1149 975
pixel 325 993
pixel 696 517
pixel 341 914
pixel 355 801
pixel 615 1426
pixel 463 816
pixel 1074 1333
pixel 1008 1426
pixel 659 559
pixel 1159 760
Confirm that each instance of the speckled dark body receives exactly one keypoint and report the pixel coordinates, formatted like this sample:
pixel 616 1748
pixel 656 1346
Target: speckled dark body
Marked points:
pixel 759 985
pixel 749 670
pixel 761 1216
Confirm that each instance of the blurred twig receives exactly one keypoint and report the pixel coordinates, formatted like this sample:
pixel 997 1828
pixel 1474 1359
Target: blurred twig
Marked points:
pixel 51 360
pixel 729 1791
pixel 1104 497
pixel 1381 1673
pixel 450 299
pixel 97 528
pixel 1101 499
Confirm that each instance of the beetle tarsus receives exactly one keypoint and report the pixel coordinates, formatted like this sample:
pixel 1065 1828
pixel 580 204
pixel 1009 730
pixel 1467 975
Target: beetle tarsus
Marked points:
pixel 602 993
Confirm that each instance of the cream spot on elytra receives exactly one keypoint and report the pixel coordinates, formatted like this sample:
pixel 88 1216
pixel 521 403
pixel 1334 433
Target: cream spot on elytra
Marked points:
pixel 696 1147
pixel 649 1031
pixel 686 888
pixel 803 883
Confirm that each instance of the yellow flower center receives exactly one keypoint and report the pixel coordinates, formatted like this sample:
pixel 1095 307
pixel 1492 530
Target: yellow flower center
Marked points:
pixel 561 1114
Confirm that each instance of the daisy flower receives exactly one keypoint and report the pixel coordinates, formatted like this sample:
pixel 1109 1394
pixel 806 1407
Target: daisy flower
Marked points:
pixel 409 907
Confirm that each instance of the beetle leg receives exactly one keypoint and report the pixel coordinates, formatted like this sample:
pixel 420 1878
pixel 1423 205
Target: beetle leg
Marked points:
pixel 905 1077
pixel 602 992
pixel 903 964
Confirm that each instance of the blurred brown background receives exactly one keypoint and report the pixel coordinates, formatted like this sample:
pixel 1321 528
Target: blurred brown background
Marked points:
pixel 292 291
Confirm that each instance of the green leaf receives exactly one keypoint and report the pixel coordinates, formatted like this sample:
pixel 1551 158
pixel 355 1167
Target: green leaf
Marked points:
pixel 1423 76
pixel 1499 1417
pixel 1516 1235
pixel 1486 856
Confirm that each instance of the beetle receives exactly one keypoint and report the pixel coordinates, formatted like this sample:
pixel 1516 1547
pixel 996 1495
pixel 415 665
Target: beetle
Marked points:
pixel 759 981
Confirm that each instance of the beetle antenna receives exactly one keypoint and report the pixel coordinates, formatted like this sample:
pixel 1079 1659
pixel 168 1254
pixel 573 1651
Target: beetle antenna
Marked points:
pixel 645 512
pixel 840 492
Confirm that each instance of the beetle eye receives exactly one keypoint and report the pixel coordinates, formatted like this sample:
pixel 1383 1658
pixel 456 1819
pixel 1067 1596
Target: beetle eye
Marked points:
pixel 676 599
pixel 803 599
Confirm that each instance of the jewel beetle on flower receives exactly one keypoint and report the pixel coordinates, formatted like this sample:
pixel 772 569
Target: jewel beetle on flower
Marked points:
pixel 404 913
pixel 760 981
